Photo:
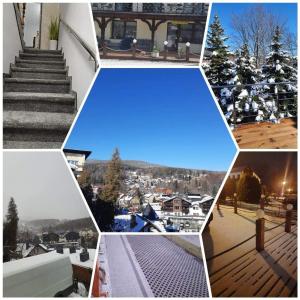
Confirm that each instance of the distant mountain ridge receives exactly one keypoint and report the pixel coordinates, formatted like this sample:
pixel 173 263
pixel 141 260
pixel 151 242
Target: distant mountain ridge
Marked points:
pixel 59 225
pixel 140 164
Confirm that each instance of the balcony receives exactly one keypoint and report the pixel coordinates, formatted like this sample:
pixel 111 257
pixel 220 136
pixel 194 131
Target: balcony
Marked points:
pixel 175 9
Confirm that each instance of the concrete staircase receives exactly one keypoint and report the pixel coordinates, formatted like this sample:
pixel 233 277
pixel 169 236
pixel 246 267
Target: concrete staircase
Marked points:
pixel 38 102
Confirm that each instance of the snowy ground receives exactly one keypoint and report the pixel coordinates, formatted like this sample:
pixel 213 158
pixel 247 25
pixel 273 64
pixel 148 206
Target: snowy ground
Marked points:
pixel 118 63
pixel 277 264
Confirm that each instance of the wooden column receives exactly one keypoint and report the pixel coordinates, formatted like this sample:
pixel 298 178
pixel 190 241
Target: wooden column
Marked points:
pixel 102 25
pixel 153 26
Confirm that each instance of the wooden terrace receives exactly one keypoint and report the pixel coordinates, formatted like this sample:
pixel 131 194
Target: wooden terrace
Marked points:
pixel 267 135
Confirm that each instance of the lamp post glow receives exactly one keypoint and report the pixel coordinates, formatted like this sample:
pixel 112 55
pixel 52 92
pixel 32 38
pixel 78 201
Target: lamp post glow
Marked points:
pixel 165 49
pixel 288 217
pixel 187 50
pixel 283 183
pixel 235 203
pixel 260 230
pixel 134 41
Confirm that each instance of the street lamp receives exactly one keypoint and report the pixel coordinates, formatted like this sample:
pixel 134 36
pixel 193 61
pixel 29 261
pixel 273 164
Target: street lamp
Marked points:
pixel 188 44
pixel 134 41
pixel 166 43
pixel 235 203
pixel 284 182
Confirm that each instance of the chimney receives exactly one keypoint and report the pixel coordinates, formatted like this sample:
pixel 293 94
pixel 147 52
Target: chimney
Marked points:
pixel 133 221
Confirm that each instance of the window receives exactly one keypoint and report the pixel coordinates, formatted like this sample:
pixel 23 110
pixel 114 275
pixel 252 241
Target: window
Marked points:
pixel 176 207
pixel 122 29
pixel 191 33
pixel 125 7
pixel 182 33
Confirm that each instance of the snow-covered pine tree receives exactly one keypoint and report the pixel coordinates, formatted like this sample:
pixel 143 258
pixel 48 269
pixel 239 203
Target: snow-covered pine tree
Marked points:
pixel 279 100
pixel 219 70
pixel 246 93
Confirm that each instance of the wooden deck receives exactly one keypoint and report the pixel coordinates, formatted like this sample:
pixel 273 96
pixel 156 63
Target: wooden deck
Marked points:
pixel 267 135
pixel 270 273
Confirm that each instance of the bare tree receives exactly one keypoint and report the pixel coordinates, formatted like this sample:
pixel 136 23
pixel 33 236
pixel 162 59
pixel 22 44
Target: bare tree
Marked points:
pixel 290 43
pixel 255 27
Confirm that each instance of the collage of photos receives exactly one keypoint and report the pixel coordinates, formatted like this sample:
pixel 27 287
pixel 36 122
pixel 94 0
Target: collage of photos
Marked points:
pixel 150 149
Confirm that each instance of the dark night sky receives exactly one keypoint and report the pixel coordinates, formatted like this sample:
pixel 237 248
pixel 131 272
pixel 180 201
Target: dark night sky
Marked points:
pixel 271 167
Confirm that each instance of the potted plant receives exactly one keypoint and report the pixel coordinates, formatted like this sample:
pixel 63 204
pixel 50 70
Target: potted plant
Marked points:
pixel 53 33
pixel 155 52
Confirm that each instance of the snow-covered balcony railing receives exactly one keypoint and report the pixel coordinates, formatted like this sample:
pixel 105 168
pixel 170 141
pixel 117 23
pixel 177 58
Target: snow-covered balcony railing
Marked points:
pixel 153 8
pixel 252 103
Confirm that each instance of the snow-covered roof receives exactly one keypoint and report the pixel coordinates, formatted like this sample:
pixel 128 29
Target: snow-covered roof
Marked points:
pixel 20 265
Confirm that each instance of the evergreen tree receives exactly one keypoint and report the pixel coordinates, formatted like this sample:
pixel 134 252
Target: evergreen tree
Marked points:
pixel 246 94
pixel 10 227
pixel 112 179
pixel 248 187
pixel 109 194
pixel 219 70
pixel 279 100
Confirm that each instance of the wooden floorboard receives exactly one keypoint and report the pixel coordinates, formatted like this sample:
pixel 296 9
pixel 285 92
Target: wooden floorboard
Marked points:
pixel 267 135
pixel 272 272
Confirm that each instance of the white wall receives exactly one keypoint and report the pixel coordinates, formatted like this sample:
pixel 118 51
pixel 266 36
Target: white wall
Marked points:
pixel 81 66
pixel 49 11
pixel 32 22
pixel 11 39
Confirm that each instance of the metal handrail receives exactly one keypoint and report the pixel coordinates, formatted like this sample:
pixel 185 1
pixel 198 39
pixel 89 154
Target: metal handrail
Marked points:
pixel 18 20
pixel 82 43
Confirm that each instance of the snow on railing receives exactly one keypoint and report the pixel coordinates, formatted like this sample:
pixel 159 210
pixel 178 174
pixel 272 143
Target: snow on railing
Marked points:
pixel 252 103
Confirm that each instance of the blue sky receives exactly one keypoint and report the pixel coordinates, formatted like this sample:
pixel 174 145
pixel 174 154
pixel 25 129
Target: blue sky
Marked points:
pixel 286 11
pixel 164 116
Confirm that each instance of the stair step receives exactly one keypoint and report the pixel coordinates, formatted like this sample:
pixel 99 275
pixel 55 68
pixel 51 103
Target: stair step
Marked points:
pixel 26 63
pixel 41 73
pixel 37 85
pixel 32 128
pixel 34 50
pixel 44 102
pixel 41 56
pixel 31 145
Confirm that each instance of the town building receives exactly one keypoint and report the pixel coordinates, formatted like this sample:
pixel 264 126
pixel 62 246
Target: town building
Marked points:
pixel 176 205
pixel 152 25
pixel 76 159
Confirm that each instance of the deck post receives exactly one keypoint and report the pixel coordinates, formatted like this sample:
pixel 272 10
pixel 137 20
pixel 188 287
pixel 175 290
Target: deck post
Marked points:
pixel 262 202
pixel 260 234
pixel 288 218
